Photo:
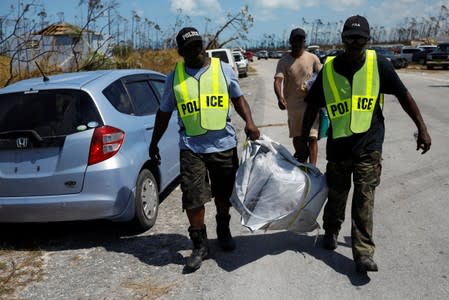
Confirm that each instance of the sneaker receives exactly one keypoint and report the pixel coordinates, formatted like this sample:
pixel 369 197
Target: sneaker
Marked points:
pixel 365 264
pixel 330 241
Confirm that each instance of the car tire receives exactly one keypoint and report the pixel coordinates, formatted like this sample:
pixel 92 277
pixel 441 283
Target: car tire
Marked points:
pixel 429 67
pixel 146 202
pixel 422 61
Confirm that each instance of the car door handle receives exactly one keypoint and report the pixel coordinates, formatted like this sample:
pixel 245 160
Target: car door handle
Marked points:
pixel 148 127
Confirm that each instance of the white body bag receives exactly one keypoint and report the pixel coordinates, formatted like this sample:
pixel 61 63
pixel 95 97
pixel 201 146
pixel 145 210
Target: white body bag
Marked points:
pixel 273 191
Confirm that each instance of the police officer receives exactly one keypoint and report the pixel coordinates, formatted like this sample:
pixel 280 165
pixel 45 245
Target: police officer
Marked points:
pixel 201 88
pixel 351 87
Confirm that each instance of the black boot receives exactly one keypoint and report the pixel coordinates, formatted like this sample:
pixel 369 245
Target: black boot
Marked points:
pixel 223 233
pixel 330 241
pixel 200 248
pixel 365 264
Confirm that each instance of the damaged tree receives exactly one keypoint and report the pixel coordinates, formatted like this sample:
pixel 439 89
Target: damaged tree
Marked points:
pixel 57 47
pixel 237 24
pixel 22 45
pixel 95 58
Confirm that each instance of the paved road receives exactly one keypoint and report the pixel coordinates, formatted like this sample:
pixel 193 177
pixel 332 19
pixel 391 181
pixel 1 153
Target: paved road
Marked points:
pixel 99 260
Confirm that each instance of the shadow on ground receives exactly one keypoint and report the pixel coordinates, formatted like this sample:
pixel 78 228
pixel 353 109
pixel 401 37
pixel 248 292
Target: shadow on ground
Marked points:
pixel 164 249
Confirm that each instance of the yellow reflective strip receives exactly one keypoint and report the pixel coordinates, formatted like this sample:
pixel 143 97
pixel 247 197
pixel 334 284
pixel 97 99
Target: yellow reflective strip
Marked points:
pixel 331 79
pixel 182 82
pixel 215 70
pixel 369 72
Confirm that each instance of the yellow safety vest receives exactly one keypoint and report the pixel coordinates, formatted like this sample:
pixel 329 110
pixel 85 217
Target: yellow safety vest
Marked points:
pixel 350 110
pixel 202 104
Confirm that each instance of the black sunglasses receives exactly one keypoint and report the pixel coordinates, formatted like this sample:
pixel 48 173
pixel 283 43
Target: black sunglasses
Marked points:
pixel 355 39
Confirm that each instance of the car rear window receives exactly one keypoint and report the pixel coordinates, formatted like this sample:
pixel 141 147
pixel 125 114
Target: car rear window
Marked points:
pixel 410 50
pixel 221 55
pixel 159 87
pixel 444 48
pixel 116 94
pixel 47 112
pixel 143 97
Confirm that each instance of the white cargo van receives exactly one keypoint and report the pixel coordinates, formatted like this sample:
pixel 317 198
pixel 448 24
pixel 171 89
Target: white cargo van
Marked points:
pixel 224 54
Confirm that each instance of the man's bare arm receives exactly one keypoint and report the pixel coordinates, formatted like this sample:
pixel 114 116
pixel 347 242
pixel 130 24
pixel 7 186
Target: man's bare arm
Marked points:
pixel 242 108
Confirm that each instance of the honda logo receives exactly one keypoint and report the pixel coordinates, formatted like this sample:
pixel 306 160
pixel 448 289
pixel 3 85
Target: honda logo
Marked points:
pixel 22 142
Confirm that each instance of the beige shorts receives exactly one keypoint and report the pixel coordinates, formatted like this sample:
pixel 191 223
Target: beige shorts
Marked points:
pixel 295 118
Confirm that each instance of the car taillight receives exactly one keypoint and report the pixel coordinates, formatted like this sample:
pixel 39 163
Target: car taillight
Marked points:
pixel 106 142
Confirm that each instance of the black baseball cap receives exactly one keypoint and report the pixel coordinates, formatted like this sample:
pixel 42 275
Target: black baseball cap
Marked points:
pixel 186 36
pixel 297 32
pixel 356 25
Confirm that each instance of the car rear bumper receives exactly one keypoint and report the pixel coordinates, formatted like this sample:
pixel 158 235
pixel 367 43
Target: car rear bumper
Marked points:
pixel 73 207
pixel 108 193
pixel 437 63
pixel 242 70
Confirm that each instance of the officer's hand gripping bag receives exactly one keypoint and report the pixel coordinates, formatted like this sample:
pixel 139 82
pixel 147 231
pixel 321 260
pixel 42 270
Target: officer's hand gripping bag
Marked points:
pixel 274 191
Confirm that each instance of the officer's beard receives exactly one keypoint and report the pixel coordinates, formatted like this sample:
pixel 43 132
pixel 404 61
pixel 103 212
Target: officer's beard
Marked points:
pixel 196 60
pixel 354 53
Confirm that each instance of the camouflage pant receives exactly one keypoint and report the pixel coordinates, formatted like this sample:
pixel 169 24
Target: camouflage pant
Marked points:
pixel 366 170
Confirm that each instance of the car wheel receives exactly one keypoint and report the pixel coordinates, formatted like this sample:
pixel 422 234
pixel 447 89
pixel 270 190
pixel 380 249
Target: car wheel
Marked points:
pixel 429 67
pixel 147 201
pixel 422 61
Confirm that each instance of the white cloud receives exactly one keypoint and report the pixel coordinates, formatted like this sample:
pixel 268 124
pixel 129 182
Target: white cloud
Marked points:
pixel 290 4
pixel 196 7
pixel 140 12
pixel 268 10
pixel 341 5
pixel 273 4
pixel 402 9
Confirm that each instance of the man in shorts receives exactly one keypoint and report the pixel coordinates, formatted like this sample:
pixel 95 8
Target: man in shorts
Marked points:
pixel 293 73
pixel 200 89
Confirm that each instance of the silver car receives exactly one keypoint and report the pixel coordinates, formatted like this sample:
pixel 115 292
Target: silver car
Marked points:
pixel 242 63
pixel 75 147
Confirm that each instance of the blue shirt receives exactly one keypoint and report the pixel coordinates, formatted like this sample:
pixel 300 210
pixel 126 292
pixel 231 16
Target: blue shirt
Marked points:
pixel 213 140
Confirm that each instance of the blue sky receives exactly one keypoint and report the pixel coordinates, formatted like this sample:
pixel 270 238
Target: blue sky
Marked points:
pixel 276 17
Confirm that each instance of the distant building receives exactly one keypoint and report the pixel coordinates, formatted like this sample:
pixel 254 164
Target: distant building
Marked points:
pixel 58 44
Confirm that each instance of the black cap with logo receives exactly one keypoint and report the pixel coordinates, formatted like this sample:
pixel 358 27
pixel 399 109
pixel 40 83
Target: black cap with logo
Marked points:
pixel 356 26
pixel 186 36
